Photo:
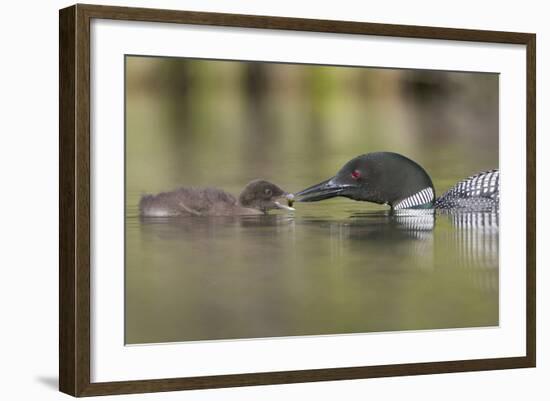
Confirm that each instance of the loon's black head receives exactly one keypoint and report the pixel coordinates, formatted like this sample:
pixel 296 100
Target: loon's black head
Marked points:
pixel 380 177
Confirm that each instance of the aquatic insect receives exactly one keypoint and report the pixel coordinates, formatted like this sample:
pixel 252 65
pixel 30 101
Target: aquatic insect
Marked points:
pixel 290 200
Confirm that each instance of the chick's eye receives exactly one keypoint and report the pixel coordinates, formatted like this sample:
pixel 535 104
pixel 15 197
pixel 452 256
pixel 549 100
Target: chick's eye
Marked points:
pixel 356 174
pixel 267 191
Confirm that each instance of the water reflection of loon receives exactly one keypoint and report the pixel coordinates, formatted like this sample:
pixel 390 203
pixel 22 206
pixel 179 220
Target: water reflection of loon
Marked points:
pixel 477 239
pixel 466 240
pixel 471 242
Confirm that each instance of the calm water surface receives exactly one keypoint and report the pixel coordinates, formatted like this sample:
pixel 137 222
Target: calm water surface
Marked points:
pixel 335 266
pixel 329 268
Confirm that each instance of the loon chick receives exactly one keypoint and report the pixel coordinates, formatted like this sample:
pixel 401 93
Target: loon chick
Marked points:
pixel 395 180
pixel 257 197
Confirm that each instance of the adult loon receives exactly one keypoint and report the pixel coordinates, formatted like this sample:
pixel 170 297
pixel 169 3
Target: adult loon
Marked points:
pixel 257 197
pixel 395 180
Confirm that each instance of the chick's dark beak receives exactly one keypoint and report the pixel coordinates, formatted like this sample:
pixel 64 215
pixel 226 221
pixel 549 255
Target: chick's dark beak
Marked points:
pixel 324 190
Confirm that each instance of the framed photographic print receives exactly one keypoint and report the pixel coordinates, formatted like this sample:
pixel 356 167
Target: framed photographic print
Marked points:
pixel 251 200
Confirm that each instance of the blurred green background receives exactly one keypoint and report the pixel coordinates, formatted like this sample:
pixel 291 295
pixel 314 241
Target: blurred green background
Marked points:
pixel 223 123
pixel 336 266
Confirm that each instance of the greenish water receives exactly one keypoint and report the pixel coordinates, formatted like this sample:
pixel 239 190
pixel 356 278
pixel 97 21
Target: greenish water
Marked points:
pixel 326 269
pixel 332 267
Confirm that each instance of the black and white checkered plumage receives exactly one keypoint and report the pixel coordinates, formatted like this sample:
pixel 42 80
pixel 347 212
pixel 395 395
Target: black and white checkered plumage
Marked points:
pixel 478 192
pixel 421 198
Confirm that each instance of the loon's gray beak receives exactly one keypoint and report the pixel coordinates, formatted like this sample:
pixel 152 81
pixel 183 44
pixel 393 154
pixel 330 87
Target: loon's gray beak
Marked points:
pixel 324 190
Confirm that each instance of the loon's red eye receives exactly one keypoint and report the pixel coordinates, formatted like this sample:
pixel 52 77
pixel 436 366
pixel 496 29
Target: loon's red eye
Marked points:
pixel 356 174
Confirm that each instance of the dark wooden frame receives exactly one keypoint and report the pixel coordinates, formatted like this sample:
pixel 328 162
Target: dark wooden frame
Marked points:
pixel 74 199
